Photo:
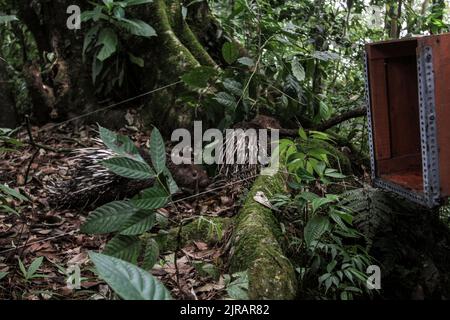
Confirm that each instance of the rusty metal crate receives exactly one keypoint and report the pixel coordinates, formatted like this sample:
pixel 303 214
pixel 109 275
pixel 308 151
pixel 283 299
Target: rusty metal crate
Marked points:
pixel 408 107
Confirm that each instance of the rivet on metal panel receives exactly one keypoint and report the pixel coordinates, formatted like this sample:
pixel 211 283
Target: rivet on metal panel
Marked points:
pixel 369 118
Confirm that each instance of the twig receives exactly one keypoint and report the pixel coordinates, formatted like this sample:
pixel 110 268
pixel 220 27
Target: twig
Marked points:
pixel 29 166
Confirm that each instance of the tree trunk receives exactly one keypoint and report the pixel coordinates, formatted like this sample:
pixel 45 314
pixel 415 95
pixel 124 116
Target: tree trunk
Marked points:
pixel 180 45
pixel 8 115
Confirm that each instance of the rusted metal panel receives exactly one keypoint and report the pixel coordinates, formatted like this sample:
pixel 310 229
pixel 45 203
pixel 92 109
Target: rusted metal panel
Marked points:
pixel 440 46
pixel 408 101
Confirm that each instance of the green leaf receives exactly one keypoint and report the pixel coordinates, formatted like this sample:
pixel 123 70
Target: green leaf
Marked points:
pixel 34 266
pixel 3 274
pixel 169 181
pixel 8 18
pixel 97 67
pixel 89 38
pixel 136 60
pixel 152 198
pixel 137 27
pixel 246 61
pixel 8 210
pixel 124 247
pixel 308 196
pixel 108 218
pixel 199 77
pixel 157 151
pixel 137 2
pixel 127 280
pixel 151 254
pixel 13 193
pixel 225 99
pixel 129 168
pixel 334 174
pixel 325 55
pixel 139 223
pixel 22 268
pixel 230 52
pixel 297 69
pixel 211 270
pixel 314 229
pixel 108 38
pixel 120 144
pixel 238 289
pixel 319 202
pixel 233 86
pixel 119 13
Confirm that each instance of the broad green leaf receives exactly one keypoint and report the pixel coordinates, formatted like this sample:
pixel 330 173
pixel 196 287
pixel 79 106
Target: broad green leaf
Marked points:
pixel 127 280
pixel 246 61
pixel 122 145
pixel 211 270
pixel 152 198
pixel 90 37
pixel 109 41
pixel 169 181
pixel 308 196
pixel 9 18
pixel 325 55
pixel 233 87
pixel 139 223
pixel 96 14
pixel 302 133
pixel 13 193
pixel 151 254
pixel 226 99
pixel 238 289
pixel 333 174
pixel 230 52
pixel 119 13
pixel 129 168
pixel 314 229
pixel 137 27
pixel 124 247
pixel 199 77
pixel 108 218
pixel 297 69
pixel 319 202
pixel 157 151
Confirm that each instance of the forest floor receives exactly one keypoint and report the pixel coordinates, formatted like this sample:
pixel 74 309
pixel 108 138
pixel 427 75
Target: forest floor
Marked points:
pixel 40 230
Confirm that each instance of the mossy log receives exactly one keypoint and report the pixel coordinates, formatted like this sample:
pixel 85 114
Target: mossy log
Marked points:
pixel 207 229
pixel 256 245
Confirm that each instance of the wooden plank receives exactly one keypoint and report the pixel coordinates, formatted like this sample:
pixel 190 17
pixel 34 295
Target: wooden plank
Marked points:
pixel 380 112
pixel 403 105
pixel 407 162
pixel 392 49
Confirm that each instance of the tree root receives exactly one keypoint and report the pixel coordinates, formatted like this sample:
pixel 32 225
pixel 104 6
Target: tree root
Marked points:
pixel 256 245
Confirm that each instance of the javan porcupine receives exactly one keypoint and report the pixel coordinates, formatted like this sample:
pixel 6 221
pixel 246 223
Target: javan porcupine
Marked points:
pixel 91 183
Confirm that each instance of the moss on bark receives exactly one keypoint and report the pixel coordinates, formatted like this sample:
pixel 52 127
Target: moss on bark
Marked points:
pixel 257 245
pixel 207 229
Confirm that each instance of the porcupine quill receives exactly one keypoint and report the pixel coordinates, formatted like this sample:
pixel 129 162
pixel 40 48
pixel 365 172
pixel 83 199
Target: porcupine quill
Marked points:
pixel 91 183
